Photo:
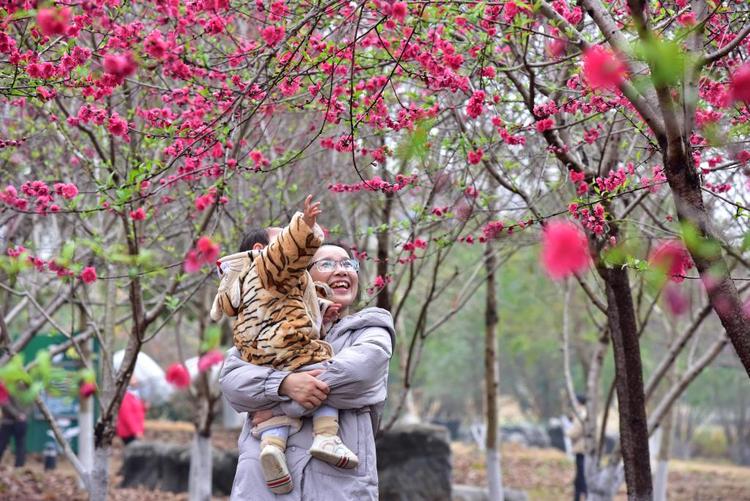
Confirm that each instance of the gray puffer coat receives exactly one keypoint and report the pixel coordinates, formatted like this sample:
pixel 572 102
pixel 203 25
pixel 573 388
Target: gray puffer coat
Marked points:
pixel 357 376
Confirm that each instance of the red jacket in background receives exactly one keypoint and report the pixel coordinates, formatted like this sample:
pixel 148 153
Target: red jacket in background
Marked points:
pixel 131 417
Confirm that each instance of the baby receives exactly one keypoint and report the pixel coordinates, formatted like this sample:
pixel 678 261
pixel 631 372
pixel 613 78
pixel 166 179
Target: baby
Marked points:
pixel 279 324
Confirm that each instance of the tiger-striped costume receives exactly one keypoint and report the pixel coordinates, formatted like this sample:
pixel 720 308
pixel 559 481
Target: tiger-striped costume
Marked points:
pixel 274 298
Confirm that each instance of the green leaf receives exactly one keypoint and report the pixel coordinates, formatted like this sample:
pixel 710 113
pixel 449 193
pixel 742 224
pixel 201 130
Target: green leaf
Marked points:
pixel 43 368
pixel 67 253
pixel 704 247
pixel 87 376
pixel 416 143
pixel 746 242
pixel 665 58
pixel 211 339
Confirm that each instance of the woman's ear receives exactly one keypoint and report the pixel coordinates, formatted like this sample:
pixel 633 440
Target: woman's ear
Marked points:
pixel 258 246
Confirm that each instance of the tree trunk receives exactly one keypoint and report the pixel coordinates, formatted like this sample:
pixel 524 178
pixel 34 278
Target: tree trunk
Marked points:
pixel 85 412
pixel 86 433
pixel 102 447
pixel 629 383
pixel 662 461
pixel 100 474
pixel 602 482
pixel 686 190
pixel 201 466
pixel 384 297
pixel 494 470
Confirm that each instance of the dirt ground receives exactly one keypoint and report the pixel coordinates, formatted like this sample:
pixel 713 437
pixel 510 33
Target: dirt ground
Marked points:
pixel 545 474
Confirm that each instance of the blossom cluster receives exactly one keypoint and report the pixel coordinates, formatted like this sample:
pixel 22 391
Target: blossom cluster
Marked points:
pixel 594 220
pixel 379 284
pixel 206 251
pixel 672 259
pixel 87 274
pixel 38 193
pixel 116 125
pixel 376 184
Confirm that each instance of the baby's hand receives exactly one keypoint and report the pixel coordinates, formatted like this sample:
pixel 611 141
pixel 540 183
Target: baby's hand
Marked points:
pixel 311 212
pixel 261 416
pixel 332 313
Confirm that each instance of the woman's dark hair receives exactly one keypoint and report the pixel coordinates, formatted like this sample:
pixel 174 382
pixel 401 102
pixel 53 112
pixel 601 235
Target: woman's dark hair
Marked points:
pixel 581 398
pixel 252 237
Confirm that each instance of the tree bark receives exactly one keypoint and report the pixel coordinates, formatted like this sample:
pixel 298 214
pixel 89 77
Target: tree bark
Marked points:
pixel 662 461
pixel 684 181
pixel 200 478
pixel 494 470
pixel 384 297
pixel 629 383
pixel 100 473
pixel 201 466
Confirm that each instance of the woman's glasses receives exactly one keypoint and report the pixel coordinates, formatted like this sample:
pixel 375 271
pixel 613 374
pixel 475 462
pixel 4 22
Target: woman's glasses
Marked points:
pixel 329 265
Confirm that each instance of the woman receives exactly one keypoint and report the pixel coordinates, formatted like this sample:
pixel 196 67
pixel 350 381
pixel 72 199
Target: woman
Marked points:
pixel 353 381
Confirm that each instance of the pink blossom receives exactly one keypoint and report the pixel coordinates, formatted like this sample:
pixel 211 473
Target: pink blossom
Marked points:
pixel 206 251
pixel 475 156
pixel 544 124
pixel 178 375
pixel 676 301
pixel 88 275
pixel 208 248
pixel 272 35
pixel 53 21
pixel 672 259
pixel 564 249
pixel 204 201
pixel 602 68
pixel 86 389
pixel 210 359
pixel 117 126
pixel 488 71
pixel 556 47
pixel 474 108
pixel 259 160
pixel 590 136
pixel 739 87
pixel 69 191
pixel 4 394
pixel 687 19
pixel 155 45
pixel 138 214
pixel 399 10
pixel 193 262
pixel 492 230
pixel 119 65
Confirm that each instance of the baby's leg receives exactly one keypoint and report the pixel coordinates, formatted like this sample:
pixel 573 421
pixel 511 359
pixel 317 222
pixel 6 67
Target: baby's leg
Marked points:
pixel 327 446
pixel 273 460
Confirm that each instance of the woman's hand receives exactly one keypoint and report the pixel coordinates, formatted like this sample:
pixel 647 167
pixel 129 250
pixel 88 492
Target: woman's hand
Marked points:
pixel 261 416
pixel 305 388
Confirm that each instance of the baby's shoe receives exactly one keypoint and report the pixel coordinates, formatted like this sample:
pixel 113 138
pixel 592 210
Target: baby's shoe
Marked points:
pixel 331 449
pixel 275 470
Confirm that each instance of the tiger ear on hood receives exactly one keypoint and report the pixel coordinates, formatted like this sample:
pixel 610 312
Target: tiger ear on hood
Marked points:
pixel 229 296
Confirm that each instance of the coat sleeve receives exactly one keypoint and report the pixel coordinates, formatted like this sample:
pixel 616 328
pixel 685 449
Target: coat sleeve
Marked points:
pixel 288 256
pixel 357 376
pixel 248 387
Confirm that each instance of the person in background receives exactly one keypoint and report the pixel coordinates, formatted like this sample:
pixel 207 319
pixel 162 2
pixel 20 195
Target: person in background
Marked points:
pixel 132 415
pixel 14 423
pixel 575 432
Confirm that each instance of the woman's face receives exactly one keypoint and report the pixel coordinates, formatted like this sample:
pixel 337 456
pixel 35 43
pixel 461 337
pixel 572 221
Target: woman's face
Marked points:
pixel 344 283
